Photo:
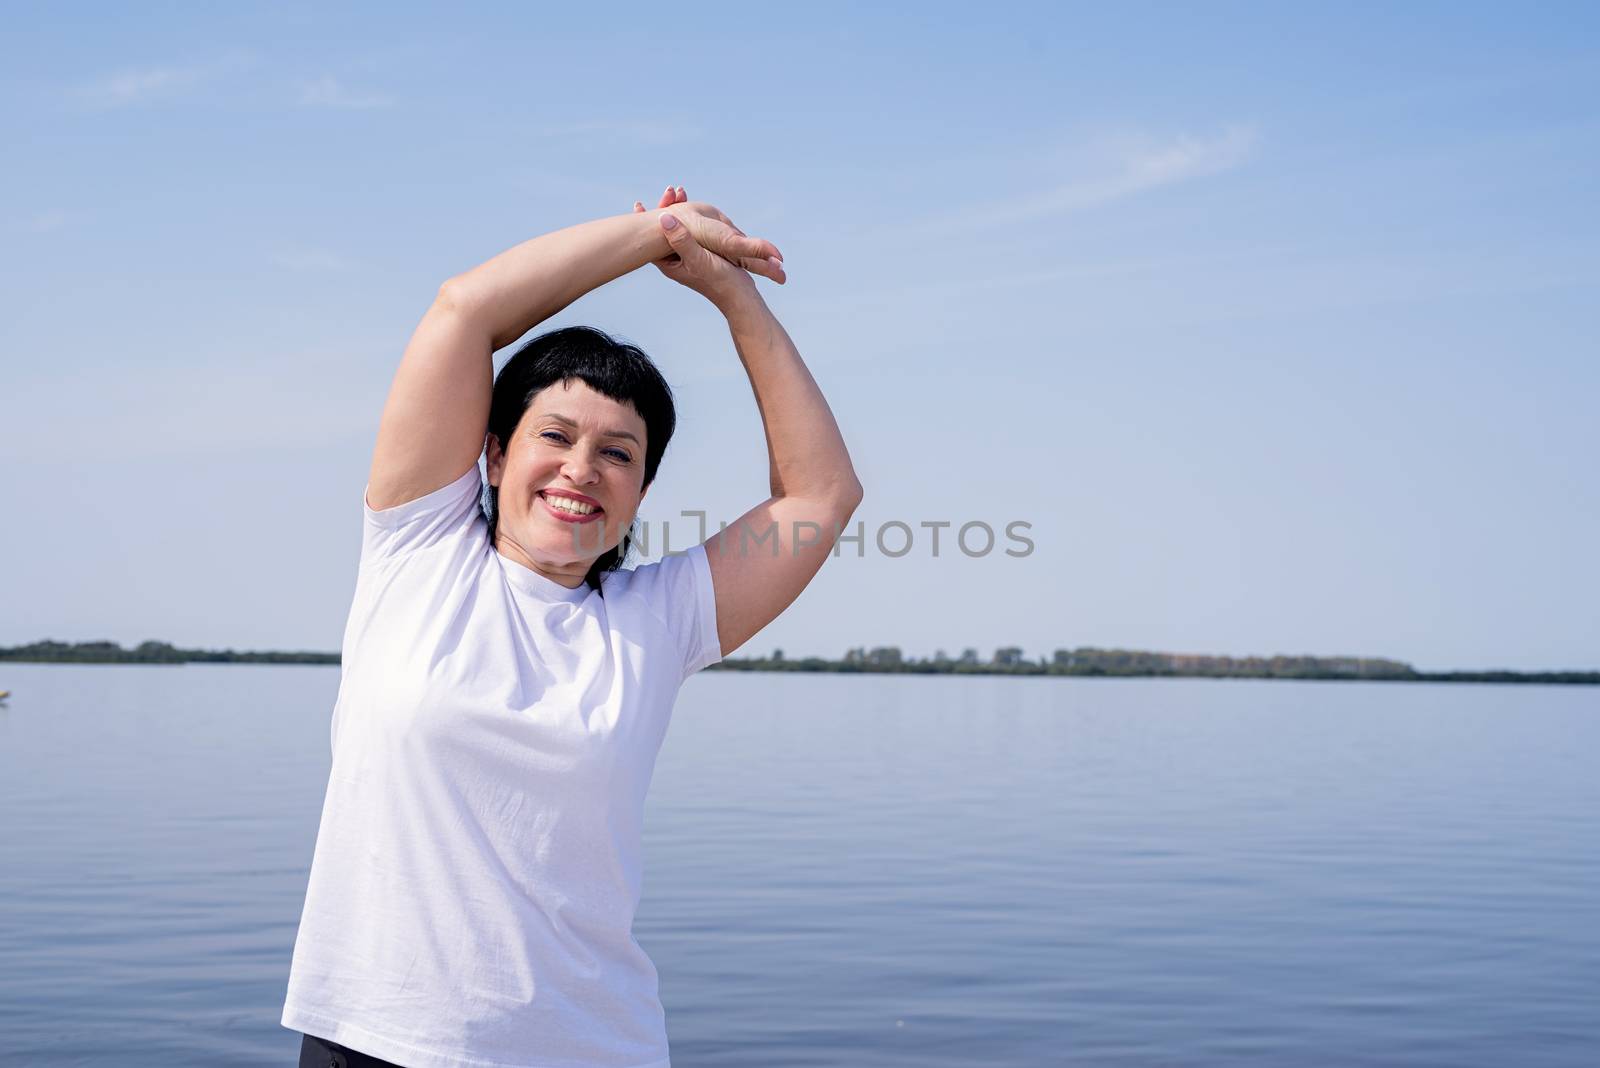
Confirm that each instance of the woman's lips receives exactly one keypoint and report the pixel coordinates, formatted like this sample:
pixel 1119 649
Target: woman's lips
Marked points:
pixel 569 517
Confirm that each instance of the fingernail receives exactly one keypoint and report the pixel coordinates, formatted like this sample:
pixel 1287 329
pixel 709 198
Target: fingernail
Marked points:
pixel 669 221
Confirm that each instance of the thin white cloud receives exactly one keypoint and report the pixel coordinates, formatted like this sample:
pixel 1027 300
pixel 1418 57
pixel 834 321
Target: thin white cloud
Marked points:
pixel 1126 167
pixel 329 92
pixel 1142 167
pixel 140 85
pixel 136 86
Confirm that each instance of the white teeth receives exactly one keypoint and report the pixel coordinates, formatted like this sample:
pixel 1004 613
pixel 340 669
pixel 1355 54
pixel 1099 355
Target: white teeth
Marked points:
pixel 566 504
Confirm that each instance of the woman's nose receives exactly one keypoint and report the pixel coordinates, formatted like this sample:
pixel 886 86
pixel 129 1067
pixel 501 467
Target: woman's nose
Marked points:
pixel 580 468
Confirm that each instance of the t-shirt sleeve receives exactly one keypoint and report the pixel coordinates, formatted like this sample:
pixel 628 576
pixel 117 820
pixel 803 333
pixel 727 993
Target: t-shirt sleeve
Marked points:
pixel 677 589
pixel 428 520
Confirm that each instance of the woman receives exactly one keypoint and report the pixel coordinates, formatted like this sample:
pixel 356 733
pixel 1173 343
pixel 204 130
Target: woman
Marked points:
pixel 506 688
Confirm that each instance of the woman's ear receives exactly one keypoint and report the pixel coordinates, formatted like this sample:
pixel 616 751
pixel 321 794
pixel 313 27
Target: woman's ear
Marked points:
pixel 496 459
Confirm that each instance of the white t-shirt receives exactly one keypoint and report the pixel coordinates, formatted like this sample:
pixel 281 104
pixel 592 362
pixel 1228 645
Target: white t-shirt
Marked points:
pixel 478 863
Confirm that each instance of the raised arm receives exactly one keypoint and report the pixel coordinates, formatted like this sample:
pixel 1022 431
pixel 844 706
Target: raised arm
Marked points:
pixel 437 414
pixel 760 564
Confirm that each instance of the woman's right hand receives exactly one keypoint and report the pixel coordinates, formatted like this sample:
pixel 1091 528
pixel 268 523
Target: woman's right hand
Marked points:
pixel 715 232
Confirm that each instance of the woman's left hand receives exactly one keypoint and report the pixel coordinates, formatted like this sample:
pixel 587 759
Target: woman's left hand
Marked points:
pixel 700 231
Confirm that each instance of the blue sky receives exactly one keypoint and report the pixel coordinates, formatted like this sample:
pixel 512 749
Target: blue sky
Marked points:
pixel 1278 326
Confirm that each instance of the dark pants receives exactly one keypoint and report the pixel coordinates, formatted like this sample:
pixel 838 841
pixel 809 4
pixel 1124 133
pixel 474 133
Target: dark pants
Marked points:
pixel 320 1053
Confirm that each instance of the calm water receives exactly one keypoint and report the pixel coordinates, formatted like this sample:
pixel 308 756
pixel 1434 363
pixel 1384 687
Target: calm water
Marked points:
pixel 878 870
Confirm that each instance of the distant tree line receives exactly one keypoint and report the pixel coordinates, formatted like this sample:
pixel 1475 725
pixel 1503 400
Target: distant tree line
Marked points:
pixel 1134 663
pixel 48 652
pixel 888 660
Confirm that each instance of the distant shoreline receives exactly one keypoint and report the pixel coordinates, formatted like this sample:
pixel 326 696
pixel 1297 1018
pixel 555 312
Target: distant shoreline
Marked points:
pixel 887 660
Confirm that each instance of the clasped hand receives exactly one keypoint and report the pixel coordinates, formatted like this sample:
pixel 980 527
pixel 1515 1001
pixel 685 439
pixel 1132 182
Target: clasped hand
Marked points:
pixel 709 254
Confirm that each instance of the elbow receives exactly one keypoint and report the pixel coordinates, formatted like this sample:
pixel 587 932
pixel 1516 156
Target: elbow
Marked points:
pixel 460 302
pixel 453 296
pixel 850 494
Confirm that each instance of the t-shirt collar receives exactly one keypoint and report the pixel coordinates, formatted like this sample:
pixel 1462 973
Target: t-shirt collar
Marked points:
pixel 531 582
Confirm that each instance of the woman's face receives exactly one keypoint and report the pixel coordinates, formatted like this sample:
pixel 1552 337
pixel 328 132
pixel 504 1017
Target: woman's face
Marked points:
pixel 573 448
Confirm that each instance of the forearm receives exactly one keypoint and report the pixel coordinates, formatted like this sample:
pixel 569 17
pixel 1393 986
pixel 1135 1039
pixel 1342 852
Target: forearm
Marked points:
pixel 521 287
pixel 807 453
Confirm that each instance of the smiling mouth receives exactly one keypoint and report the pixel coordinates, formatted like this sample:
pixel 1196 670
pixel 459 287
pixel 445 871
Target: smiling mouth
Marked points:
pixel 569 511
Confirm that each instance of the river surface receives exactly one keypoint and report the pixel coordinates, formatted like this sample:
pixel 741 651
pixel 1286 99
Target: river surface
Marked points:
pixel 879 870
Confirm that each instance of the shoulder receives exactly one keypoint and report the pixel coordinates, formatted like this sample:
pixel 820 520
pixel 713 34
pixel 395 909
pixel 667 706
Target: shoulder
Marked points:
pixel 659 580
pixel 451 513
pixel 676 591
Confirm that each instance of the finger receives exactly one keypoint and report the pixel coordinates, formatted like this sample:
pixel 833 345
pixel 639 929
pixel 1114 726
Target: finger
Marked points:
pixel 767 268
pixel 723 239
pixel 638 206
pixel 679 238
pixel 754 247
pixel 667 199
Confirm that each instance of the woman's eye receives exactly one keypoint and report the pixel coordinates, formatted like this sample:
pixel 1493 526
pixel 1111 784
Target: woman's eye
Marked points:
pixel 556 435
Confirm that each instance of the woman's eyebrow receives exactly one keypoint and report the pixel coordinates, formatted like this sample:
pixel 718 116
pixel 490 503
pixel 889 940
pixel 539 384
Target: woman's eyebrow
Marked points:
pixel 609 433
